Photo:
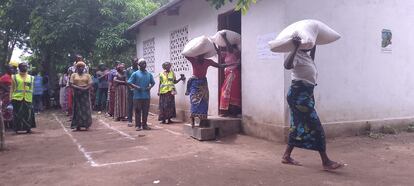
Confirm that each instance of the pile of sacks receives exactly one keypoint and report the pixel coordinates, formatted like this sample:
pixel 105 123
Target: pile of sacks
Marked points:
pixel 205 45
pixel 312 32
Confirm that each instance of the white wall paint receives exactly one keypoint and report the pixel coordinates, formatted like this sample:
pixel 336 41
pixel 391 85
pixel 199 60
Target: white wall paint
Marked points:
pixel 201 19
pixel 356 80
pixel 262 79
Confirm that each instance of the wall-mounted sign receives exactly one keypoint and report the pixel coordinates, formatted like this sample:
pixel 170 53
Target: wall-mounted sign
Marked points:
pixel 263 49
pixel 386 44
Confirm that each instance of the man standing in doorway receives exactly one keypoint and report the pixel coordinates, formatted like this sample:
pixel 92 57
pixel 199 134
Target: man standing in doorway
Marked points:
pixel 142 81
pixel 129 72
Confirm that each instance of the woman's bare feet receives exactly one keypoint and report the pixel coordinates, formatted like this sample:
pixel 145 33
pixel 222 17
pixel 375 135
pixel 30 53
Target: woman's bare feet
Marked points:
pixel 331 165
pixel 290 161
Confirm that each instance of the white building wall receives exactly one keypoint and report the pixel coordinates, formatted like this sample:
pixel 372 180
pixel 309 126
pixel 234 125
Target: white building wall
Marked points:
pixel 356 80
pixel 201 19
pixel 263 79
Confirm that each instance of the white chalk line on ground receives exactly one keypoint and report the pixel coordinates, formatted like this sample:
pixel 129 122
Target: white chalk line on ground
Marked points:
pixel 168 130
pixel 92 162
pixel 80 148
pixel 140 160
pixel 114 129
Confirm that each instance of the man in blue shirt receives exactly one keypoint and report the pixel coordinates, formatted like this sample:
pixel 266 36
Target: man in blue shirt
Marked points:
pixel 38 90
pixel 142 81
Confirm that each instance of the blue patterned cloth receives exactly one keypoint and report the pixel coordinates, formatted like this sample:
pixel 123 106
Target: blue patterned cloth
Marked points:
pixel 199 96
pixel 306 130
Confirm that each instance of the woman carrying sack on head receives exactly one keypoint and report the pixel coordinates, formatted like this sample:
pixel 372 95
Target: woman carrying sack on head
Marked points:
pixel 166 91
pixel 306 130
pixel 230 95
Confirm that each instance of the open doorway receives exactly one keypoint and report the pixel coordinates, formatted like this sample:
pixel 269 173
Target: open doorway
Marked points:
pixel 230 21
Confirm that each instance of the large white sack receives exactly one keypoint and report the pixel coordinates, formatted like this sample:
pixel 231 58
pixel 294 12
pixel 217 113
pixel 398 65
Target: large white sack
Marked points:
pixel 310 31
pixel 199 45
pixel 234 38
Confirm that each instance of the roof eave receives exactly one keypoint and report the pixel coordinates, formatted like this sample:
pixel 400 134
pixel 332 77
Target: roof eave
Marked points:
pixel 164 8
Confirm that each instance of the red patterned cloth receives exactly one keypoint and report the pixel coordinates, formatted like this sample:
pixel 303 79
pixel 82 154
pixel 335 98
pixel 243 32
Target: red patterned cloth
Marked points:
pixel 231 88
pixel 5 82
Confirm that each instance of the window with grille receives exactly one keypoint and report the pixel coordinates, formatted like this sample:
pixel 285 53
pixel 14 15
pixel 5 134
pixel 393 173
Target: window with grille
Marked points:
pixel 178 39
pixel 149 54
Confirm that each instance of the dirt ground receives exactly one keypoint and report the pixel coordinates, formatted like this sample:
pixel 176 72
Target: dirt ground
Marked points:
pixel 113 154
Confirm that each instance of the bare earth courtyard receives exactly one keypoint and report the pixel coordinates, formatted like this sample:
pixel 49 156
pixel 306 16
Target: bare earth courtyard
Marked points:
pixel 113 154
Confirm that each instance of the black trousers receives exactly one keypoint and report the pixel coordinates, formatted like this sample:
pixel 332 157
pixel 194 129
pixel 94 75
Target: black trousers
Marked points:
pixel 130 105
pixel 141 107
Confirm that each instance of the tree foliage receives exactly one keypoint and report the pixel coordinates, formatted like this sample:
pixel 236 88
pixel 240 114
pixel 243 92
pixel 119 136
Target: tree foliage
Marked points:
pixel 241 5
pixel 56 30
pixel 14 26
pixel 117 16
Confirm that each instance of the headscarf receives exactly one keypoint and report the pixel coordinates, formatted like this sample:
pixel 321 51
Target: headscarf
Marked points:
pixel 80 64
pixel 120 66
pixel 14 63
pixel 164 65
pixel 141 60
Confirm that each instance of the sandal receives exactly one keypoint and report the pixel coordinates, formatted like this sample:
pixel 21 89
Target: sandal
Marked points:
pixel 333 166
pixel 291 161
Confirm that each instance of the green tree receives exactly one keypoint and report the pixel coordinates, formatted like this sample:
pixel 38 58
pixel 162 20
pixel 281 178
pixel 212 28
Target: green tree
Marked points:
pixel 60 29
pixel 14 26
pixel 241 5
pixel 56 30
pixel 117 15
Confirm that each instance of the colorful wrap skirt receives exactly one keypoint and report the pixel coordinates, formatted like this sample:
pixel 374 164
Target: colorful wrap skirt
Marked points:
pixel 306 130
pixel 231 89
pixel 199 96
pixel 82 110
pixel 120 101
pixel 23 116
pixel 167 106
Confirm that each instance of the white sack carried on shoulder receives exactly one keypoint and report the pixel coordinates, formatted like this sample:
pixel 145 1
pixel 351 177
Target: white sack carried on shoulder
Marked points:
pixel 312 32
pixel 234 38
pixel 199 45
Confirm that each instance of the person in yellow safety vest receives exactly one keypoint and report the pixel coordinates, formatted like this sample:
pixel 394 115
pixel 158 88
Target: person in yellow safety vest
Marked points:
pixel 21 96
pixel 166 91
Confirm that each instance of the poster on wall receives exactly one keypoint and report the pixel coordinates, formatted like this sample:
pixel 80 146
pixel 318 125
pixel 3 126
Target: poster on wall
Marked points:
pixel 386 44
pixel 263 49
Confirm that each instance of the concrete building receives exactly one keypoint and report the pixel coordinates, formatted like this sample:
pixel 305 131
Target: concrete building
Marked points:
pixel 361 84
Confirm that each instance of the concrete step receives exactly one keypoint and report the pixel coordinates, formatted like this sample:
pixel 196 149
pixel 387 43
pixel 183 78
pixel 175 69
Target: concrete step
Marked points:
pixel 200 133
pixel 214 128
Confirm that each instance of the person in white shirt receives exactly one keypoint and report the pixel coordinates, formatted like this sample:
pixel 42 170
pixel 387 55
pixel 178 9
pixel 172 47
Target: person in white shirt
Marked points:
pixel 306 130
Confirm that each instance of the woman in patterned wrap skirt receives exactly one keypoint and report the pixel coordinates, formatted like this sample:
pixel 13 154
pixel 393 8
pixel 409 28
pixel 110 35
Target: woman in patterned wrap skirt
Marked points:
pixel 306 130
pixel 82 111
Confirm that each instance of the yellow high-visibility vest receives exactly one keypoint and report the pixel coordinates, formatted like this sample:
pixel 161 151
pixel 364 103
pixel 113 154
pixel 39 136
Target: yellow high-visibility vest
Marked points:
pixel 167 82
pixel 23 88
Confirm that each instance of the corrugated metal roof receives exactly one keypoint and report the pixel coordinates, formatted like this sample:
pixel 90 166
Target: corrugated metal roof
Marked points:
pixel 167 6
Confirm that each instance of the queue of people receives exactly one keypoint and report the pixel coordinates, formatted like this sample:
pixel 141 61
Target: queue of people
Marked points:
pixel 122 95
